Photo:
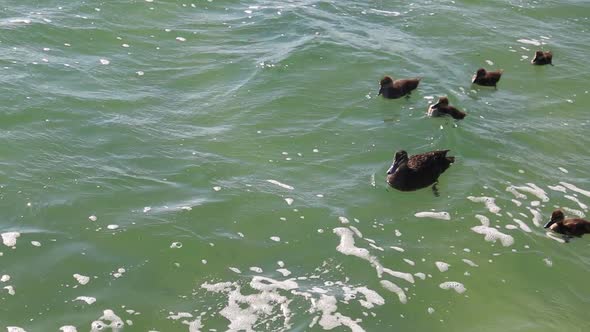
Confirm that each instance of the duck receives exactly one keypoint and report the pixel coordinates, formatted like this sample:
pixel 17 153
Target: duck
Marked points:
pixel 568 227
pixel 391 89
pixel 418 171
pixel 487 78
pixel 542 58
pixel 442 107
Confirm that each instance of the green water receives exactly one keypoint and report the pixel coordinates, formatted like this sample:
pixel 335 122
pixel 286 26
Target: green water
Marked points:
pixel 170 144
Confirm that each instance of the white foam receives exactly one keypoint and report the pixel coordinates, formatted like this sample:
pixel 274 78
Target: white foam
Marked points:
pixel 485 221
pixel 92 218
pixel 563 170
pixel 87 299
pixel 442 266
pixel 113 227
pixel 522 225
pixel 436 215
pixel 82 280
pixel 115 322
pixel 576 189
pixel 575 212
pixel 104 61
pixel 180 39
pixel 516 202
pixel 284 272
pixel 35 243
pixel 492 234
pixel 256 269
pixel 4 278
pixel 9 238
pixel 10 289
pixel 275 238
pixel 558 188
pixel 15 329
pixel 409 261
pixel 529 41
pixel 537 216
pixel 289 201
pixel 576 200
pixel 176 245
pixel 194 326
pixel 344 220
pixel 430 310
pixel 235 269
pixel 330 318
pixel 420 275
pixel 180 315
pixel 402 275
pixel 489 62
pixel 348 248
pixel 529 188
pixel 489 202
pixel 469 262
pixel 454 285
pixel 390 286
pixel 372 298
pixel 68 328
pixel 548 262
pixel 282 185
pixel 397 248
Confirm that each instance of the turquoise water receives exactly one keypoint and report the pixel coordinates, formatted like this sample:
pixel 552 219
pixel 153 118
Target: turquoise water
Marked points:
pixel 164 121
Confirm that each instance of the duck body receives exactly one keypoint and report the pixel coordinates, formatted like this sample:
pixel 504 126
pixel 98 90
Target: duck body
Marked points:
pixel 418 171
pixel 486 78
pixel 442 108
pixel 569 227
pixel 391 89
pixel 542 58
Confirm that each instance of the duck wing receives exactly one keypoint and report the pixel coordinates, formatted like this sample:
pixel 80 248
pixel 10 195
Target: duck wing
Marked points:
pixel 432 159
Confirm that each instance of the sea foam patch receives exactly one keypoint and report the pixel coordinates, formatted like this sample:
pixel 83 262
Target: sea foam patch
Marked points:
pixel 492 235
pixel 435 215
pixel 489 202
pixel 390 286
pixel 9 238
pixel 454 285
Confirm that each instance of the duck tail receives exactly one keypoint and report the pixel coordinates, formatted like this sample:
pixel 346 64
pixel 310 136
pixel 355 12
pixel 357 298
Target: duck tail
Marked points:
pixel 456 114
pixel 451 160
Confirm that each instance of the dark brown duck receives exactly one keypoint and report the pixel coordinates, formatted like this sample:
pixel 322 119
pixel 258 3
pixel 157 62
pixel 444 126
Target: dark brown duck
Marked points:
pixel 442 108
pixel 487 78
pixel 542 58
pixel 418 171
pixel 569 227
pixel 391 89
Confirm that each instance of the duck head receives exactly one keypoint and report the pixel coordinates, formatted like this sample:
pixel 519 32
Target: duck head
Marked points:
pixel 556 216
pixel 400 158
pixel 479 74
pixel 442 101
pixel 538 55
pixel 384 83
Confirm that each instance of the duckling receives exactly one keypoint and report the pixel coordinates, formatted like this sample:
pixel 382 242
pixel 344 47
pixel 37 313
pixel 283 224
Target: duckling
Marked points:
pixel 418 171
pixel 391 89
pixel 542 58
pixel 487 78
pixel 442 107
pixel 568 227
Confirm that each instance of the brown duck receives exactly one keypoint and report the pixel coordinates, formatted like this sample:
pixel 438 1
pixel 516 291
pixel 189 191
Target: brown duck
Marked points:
pixel 442 107
pixel 391 89
pixel 418 171
pixel 542 58
pixel 568 227
pixel 487 78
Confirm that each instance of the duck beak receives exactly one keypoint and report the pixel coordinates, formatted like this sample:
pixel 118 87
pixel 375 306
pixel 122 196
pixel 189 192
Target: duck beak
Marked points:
pixel 435 105
pixel 549 223
pixel 392 169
